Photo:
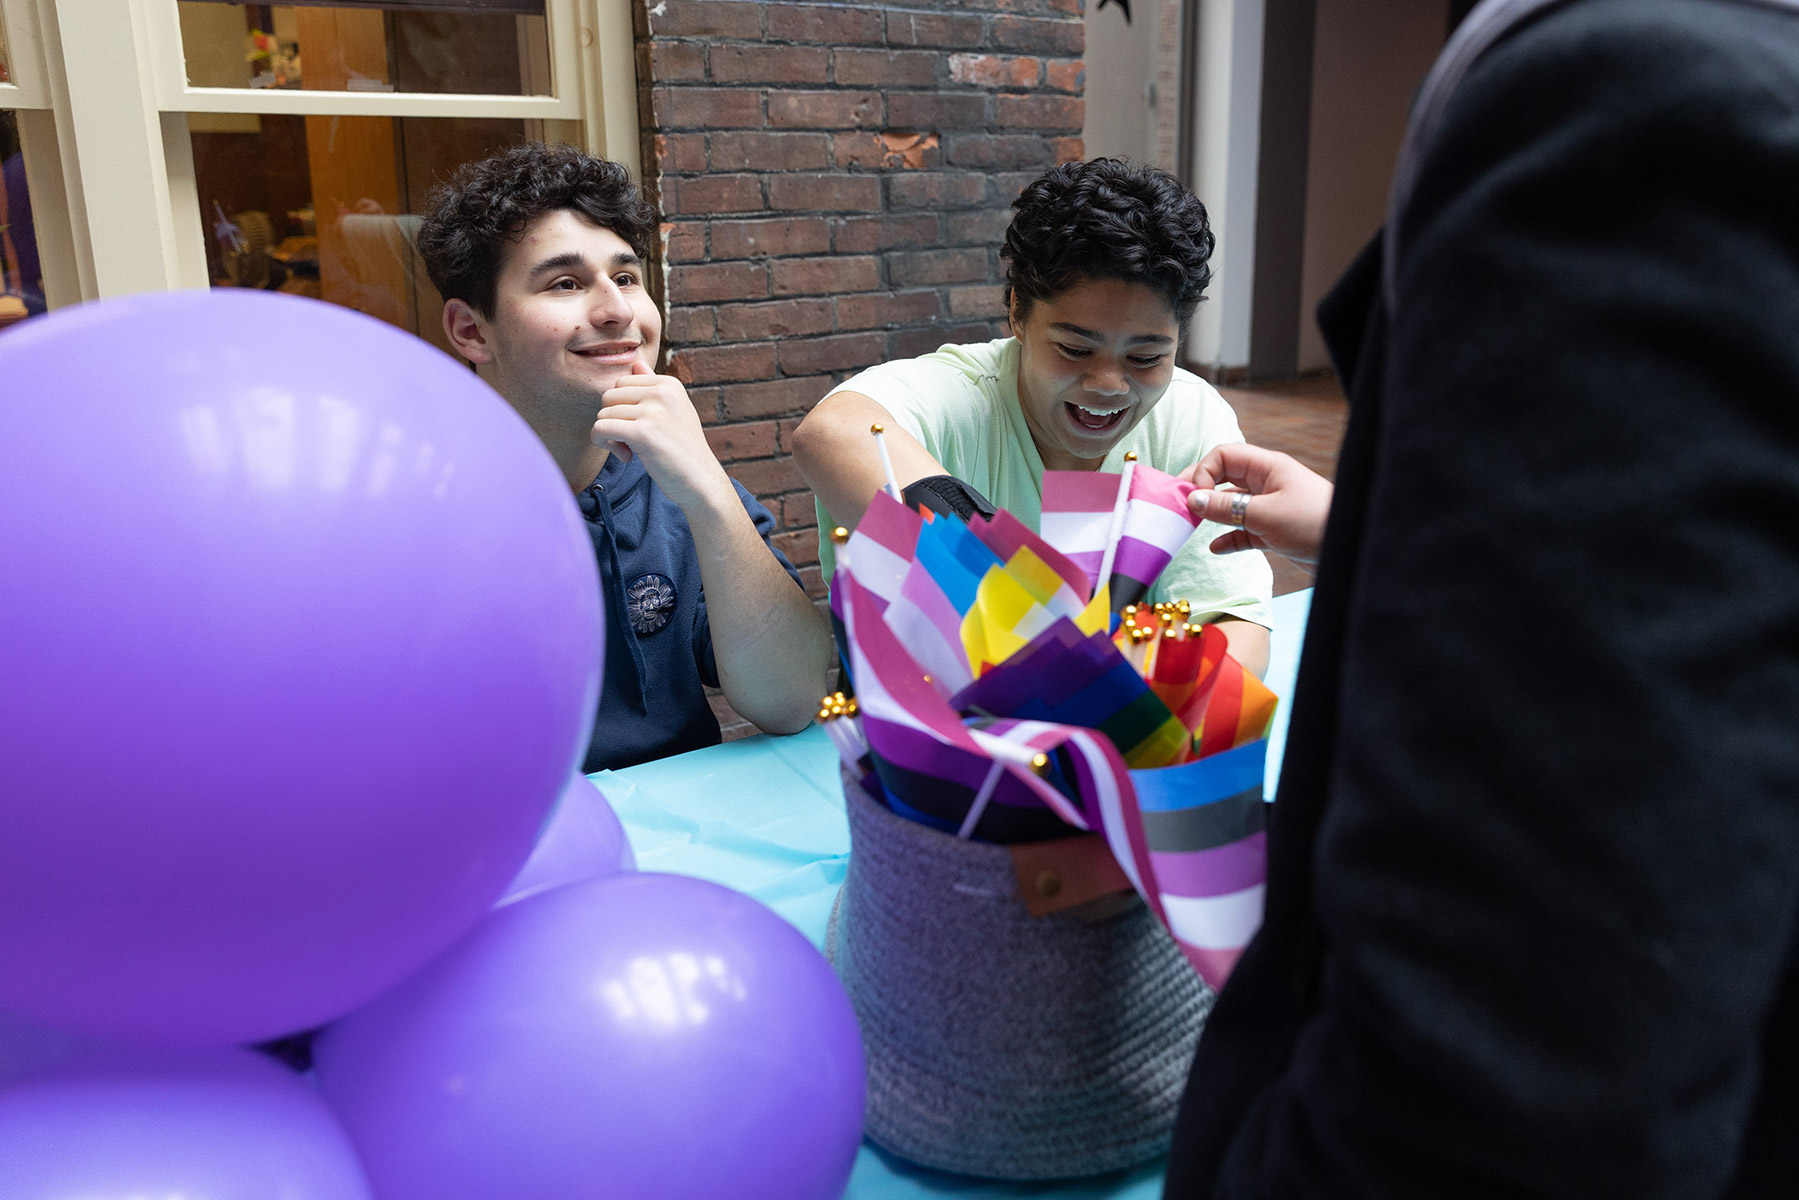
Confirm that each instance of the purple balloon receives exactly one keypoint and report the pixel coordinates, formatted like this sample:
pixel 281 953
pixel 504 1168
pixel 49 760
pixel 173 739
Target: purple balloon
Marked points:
pixel 198 1124
pixel 650 1037
pixel 583 840
pixel 26 1049
pixel 301 638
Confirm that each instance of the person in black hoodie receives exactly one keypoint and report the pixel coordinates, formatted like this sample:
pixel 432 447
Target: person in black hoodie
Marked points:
pixel 539 254
pixel 1533 886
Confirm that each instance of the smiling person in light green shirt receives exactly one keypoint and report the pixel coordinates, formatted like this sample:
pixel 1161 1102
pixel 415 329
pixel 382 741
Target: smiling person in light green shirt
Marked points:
pixel 1105 263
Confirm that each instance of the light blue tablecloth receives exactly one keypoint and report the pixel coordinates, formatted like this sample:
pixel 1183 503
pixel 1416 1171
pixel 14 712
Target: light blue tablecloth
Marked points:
pixel 765 816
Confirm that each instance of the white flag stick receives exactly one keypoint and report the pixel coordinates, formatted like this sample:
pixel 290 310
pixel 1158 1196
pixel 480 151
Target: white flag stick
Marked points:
pixel 980 800
pixel 1117 531
pixel 1003 752
pixel 893 487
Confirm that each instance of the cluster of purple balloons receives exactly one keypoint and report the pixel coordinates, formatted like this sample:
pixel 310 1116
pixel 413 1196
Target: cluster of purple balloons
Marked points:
pixel 301 653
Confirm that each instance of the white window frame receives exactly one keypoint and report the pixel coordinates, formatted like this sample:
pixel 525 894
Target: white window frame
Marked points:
pixel 23 58
pixel 109 159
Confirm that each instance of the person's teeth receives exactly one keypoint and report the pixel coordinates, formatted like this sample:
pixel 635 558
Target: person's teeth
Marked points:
pixel 1098 412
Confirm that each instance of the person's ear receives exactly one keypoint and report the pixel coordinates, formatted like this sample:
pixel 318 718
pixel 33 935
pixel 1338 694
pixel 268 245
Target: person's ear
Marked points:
pixel 467 332
pixel 1014 317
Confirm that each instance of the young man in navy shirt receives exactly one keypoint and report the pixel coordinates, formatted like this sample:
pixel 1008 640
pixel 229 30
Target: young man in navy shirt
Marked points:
pixel 539 253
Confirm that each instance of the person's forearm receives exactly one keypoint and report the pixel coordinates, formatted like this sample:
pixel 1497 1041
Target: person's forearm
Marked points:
pixel 836 453
pixel 1248 643
pixel 772 647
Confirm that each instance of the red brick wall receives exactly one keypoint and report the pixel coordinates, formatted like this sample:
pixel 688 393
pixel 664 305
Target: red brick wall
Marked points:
pixel 835 181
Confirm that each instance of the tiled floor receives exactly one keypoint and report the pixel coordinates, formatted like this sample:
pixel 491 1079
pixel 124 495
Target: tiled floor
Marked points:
pixel 1303 417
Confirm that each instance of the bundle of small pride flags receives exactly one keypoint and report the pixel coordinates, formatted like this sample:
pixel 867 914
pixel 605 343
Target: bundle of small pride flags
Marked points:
pixel 999 698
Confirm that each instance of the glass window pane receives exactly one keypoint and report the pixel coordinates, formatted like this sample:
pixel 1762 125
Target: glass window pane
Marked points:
pixel 498 48
pixel 323 206
pixel 21 275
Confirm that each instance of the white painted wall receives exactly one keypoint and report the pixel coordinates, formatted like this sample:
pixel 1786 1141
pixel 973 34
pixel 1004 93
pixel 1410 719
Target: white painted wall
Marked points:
pixel 1226 142
pixel 1369 57
pixel 1121 74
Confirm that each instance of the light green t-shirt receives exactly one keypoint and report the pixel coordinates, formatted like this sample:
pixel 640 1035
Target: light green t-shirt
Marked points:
pixel 961 403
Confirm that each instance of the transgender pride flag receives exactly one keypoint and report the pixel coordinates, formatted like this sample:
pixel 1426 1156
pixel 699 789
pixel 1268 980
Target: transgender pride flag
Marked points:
pixel 883 545
pixel 1077 520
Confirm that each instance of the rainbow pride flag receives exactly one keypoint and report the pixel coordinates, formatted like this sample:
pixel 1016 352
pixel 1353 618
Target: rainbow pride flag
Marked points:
pixel 1079 678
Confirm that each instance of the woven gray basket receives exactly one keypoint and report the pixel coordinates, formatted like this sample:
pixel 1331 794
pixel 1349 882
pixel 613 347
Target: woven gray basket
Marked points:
pixel 1000 1044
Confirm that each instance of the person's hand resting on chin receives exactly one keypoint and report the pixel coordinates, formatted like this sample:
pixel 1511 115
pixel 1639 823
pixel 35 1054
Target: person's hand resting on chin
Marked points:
pixel 772 648
pixel 650 416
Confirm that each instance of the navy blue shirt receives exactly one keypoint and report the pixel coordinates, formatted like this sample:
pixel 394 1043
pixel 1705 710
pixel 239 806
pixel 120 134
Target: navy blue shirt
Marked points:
pixel 658 641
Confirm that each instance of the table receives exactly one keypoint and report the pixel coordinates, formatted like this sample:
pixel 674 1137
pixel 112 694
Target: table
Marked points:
pixel 765 816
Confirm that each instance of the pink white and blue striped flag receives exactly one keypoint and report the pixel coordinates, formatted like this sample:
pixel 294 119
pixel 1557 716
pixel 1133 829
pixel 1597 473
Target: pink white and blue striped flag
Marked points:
pixel 927 624
pixel 1077 520
pixel 881 549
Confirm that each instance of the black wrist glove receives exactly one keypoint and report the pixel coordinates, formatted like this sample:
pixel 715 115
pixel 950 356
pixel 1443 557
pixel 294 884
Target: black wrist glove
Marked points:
pixel 948 495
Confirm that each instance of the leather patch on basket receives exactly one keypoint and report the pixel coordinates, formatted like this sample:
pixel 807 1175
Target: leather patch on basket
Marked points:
pixel 1065 872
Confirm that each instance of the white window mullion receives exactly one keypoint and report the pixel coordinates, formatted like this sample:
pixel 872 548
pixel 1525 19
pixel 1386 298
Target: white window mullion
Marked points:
pixel 53 176
pixel 24 57
pixel 62 255
pixel 121 168
pixel 607 45
pixel 188 228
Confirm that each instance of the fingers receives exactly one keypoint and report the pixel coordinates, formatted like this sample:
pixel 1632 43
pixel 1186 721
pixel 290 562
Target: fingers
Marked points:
pixel 617 423
pixel 611 434
pixel 1208 472
pixel 646 386
pixel 1243 466
pixel 1232 542
pixel 1212 505
pixel 634 384
pixel 621 449
pixel 1282 502
pixel 639 367
pixel 1251 468
pixel 621 410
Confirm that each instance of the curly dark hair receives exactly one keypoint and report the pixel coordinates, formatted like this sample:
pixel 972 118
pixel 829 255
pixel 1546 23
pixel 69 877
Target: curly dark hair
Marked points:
pixel 489 203
pixel 1107 219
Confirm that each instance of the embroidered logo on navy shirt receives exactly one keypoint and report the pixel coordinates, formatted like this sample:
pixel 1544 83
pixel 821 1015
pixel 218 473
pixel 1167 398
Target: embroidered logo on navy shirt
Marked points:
pixel 651 600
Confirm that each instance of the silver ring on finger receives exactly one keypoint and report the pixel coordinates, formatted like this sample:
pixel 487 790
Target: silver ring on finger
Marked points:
pixel 1239 508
